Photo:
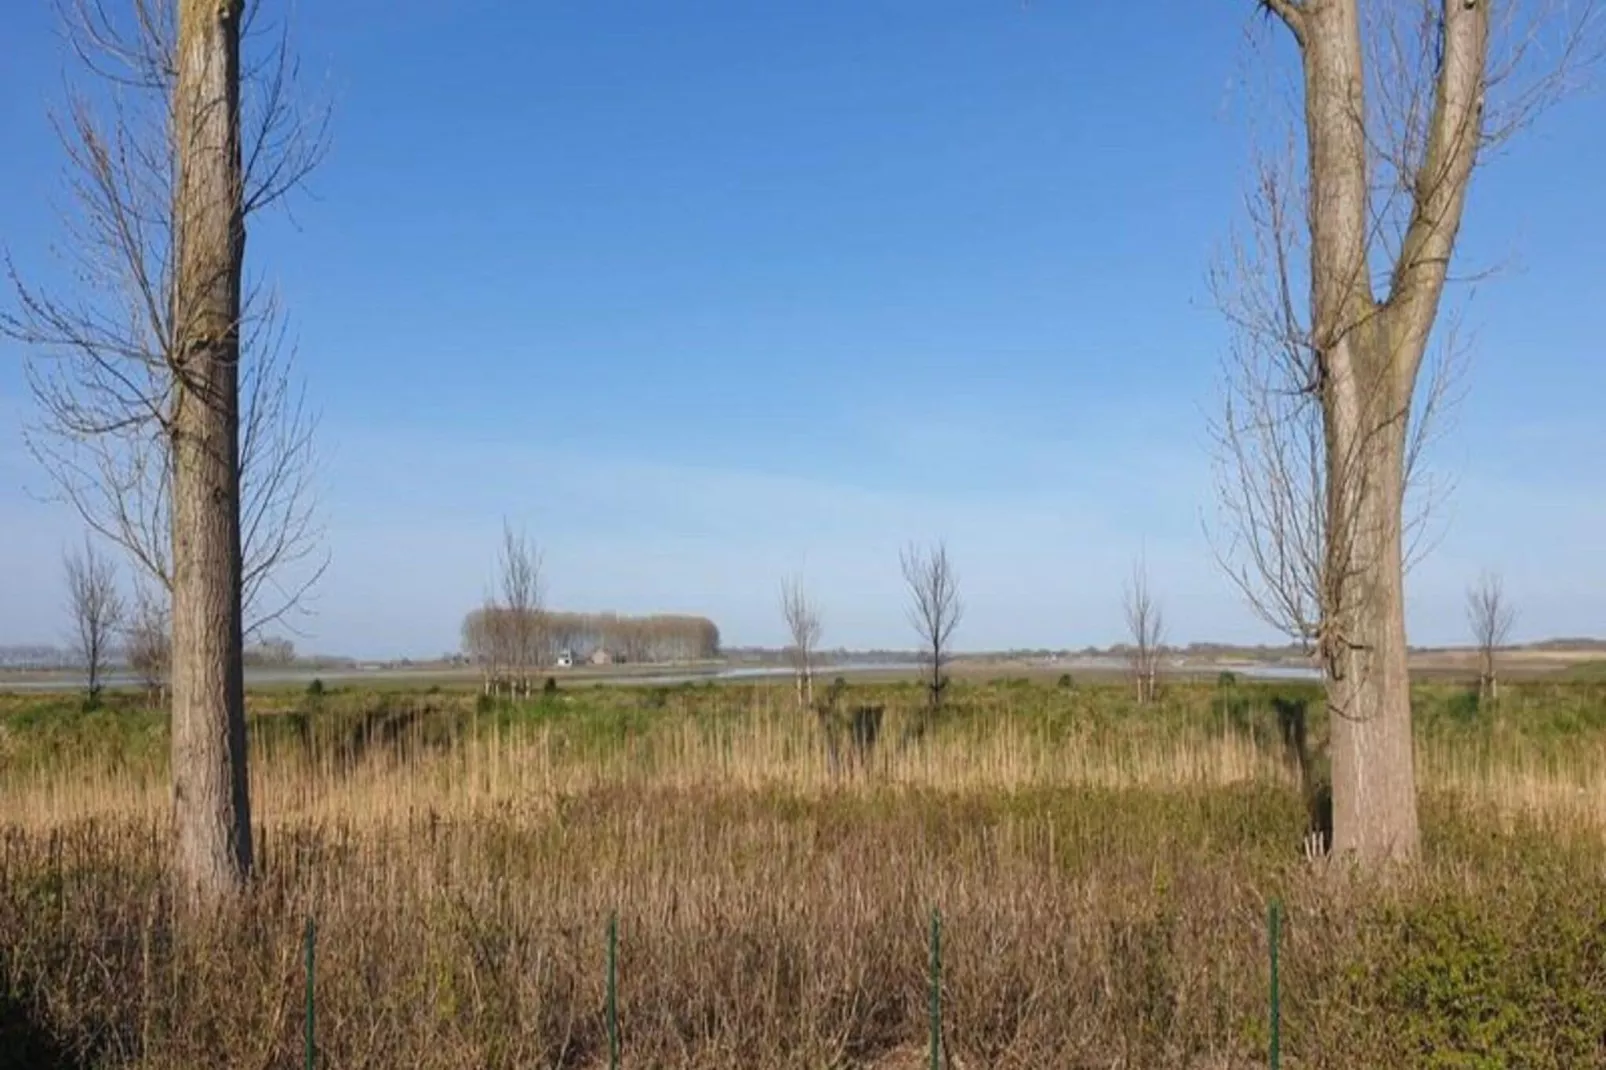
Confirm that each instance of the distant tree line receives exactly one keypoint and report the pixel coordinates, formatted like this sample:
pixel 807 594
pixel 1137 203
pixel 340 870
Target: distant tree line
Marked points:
pixel 508 644
pixel 270 653
pixel 655 638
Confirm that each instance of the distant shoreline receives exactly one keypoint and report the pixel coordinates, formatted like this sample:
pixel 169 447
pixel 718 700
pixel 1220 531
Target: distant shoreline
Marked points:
pixel 1533 660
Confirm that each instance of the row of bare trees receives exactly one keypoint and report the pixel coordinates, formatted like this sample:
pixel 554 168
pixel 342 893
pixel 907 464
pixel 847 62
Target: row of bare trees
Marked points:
pixel 935 610
pixel 659 637
pixel 511 644
pixel 513 635
pixel 101 616
pixel 104 622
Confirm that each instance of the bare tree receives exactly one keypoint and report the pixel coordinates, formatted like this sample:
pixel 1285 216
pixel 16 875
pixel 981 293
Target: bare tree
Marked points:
pixel 96 609
pixel 147 642
pixel 1334 305
pixel 139 373
pixel 803 623
pixel 521 597
pixel 1491 618
pixel 1145 623
pixel 934 610
pixel 105 375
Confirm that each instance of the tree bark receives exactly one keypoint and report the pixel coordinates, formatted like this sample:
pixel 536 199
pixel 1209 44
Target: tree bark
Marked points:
pixel 211 798
pixel 1368 681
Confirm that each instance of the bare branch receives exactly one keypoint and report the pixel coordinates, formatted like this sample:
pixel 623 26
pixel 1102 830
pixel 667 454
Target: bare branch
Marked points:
pixel 1291 12
pixel 1440 180
pixel 1281 541
pixel 104 358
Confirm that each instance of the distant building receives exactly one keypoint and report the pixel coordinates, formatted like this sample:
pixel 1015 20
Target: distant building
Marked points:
pixel 565 659
pixel 600 656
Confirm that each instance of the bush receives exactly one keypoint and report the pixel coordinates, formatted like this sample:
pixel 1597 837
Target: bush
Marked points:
pixel 315 688
pixel 1065 682
pixel 1227 679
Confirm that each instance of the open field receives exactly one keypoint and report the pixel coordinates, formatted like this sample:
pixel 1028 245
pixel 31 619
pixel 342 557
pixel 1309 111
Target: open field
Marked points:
pixel 1103 874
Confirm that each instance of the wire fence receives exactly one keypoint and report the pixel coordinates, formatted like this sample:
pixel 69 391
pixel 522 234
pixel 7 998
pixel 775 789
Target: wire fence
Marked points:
pixel 937 1047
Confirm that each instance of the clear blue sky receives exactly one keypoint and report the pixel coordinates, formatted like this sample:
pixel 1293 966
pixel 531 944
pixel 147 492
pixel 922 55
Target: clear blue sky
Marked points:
pixel 706 293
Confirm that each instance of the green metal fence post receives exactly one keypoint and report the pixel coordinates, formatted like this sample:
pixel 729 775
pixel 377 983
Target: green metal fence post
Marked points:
pixel 311 1028
pixel 1274 925
pixel 613 991
pixel 936 990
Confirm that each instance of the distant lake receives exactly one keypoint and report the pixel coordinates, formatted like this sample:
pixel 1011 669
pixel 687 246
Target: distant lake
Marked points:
pixel 671 678
pixel 1274 672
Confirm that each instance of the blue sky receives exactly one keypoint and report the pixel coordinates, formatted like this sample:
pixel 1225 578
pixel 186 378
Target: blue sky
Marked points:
pixel 702 294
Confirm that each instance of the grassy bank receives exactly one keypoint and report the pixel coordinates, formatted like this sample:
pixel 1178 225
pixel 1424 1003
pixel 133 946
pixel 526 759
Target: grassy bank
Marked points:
pixel 1103 873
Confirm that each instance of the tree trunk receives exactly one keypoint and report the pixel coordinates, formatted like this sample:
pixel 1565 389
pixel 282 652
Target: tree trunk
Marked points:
pixel 1366 356
pixel 1368 681
pixel 211 797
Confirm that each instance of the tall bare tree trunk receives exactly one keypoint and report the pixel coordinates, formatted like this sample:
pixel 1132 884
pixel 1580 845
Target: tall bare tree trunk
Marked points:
pixel 211 797
pixel 1368 682
pixel 1368 354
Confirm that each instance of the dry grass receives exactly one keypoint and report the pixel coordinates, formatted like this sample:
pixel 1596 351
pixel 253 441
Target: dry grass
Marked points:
pixel 1103 882
pixel 752 739
pixel 528 766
